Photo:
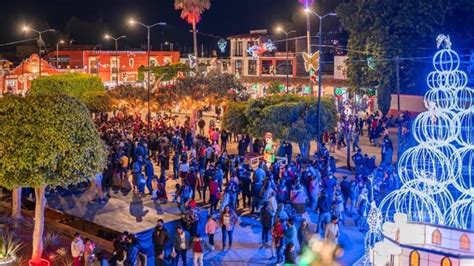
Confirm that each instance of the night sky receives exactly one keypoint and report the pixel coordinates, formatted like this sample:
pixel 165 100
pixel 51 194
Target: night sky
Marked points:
pixel 226 17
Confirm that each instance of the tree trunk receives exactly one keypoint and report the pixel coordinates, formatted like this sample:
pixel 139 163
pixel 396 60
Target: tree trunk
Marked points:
pixel 39 225
pixel 193 118
pixel 16 203
pixel 348 150
pixel 195 45
pixel 305 146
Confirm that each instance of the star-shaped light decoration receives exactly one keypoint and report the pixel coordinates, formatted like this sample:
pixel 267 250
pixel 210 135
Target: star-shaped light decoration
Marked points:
pixel 443 41
pixel 192 61
pixel 311 61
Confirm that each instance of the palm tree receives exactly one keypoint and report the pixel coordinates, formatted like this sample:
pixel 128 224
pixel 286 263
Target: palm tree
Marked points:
pixel 191 11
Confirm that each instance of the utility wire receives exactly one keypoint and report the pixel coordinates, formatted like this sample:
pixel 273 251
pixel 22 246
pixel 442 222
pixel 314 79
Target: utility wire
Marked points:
pixel 16 42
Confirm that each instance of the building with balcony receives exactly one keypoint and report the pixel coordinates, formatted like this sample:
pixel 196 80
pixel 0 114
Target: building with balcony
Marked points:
pixel 266 62
pixel 111 66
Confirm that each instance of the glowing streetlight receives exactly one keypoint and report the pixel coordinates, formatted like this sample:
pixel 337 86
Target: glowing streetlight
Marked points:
pixel 57 52
pixel 110 37
pixel 148 27
pixel 287 33
pixel 40 41
pixel 309 11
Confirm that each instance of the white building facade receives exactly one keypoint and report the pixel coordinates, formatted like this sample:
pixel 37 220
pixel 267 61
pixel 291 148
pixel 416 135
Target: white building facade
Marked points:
pixel 419 244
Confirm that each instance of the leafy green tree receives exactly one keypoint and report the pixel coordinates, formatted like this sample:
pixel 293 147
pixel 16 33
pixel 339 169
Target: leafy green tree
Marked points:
pixel 88 89
pixel 234 119
pixel 47 140
pixel 290 117
pixel 411 24
pixel 165 72
pixel 274 87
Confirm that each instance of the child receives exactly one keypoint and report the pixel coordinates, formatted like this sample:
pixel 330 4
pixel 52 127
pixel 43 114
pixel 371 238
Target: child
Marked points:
pixel 211 227
pixel 290 257
pixel 198 247
pixel 154 186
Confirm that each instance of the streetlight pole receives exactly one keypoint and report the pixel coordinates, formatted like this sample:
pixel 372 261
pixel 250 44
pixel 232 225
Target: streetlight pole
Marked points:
pixel 287 33
pixel 318 126
pixel 148 27
pixel 170 45
pixel 57 52
pixel 40 42
pixel 107 37
pixel 399 133
pixel 308 43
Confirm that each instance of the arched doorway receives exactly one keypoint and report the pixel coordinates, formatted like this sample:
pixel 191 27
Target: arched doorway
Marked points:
pixel 414 258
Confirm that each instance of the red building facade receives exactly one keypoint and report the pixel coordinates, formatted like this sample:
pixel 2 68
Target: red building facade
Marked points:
pixel 18 80
pixel 111 66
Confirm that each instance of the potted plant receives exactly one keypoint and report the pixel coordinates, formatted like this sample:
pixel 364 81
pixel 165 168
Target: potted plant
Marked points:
pixel 9 246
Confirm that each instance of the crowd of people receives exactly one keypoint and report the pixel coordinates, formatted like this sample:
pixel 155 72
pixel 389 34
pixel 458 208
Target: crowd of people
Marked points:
pixel 208 177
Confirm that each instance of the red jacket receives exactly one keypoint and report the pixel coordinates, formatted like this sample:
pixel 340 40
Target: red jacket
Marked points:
pixel 214 188
pixel 277 232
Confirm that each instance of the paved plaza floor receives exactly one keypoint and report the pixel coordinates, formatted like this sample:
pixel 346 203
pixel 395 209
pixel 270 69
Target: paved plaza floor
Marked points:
pixel 127 211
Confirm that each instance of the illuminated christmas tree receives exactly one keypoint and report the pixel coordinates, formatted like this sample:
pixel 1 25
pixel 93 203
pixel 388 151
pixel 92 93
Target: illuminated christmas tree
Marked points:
pixel 437 174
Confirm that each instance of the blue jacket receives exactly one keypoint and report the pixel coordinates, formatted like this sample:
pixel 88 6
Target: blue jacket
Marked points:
pixel 149 171
pixel 132 254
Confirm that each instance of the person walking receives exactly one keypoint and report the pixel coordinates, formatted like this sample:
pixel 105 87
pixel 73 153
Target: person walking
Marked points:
pixel 181 244
pixel 290 233
pixel 199 246
pixel 150 173
pixel 304 235
pixel 211 228
pixel 214 194
pixel 160 237
pixel 324 211
pixel 77 250
pixel 132 250
pixel 314 192
pixel 290 256
pixel 224 139
pixel 89 252
pixel 266 219
pixel 228 220
pixel 355 140
pixel 175 166
pixel 277 236
pixel 298 198
pixel 332 230
pixel 136 175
